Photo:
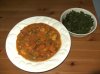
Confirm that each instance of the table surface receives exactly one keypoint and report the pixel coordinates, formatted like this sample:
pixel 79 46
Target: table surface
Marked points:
pixel 84 56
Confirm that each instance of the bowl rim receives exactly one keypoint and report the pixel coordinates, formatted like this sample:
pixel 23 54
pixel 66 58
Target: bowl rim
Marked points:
pixel 81 9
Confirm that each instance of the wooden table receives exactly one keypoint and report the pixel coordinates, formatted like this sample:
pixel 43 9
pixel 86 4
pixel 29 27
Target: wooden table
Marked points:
pixel 84 56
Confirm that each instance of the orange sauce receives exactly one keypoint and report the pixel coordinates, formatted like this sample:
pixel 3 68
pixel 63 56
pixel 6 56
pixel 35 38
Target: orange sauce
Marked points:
pixel 38 42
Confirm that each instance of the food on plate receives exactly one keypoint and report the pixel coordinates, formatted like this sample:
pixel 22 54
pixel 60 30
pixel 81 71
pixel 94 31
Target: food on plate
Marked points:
pixel 38 42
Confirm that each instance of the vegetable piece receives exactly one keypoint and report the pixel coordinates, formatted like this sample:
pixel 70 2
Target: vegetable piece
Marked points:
pixel 54 36
pixel 23 52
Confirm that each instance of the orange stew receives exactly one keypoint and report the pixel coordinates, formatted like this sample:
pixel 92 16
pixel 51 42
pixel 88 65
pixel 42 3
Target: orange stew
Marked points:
pixel 38 42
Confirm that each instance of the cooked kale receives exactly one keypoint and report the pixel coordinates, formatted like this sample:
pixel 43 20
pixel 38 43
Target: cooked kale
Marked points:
pixel 78 22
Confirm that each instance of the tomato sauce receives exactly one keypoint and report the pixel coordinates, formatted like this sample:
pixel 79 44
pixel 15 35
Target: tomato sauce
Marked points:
pixel 38 42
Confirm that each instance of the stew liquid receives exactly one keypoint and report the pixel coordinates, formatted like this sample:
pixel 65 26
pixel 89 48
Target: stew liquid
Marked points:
pixel 38 42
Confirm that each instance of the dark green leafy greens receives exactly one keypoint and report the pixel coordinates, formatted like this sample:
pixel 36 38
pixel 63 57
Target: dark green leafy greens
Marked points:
pixel 78 22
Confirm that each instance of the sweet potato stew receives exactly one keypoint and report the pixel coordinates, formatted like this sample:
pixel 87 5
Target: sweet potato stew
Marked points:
pixel 38 42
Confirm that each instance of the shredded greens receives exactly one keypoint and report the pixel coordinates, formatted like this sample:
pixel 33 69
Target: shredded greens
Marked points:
pixel 78 22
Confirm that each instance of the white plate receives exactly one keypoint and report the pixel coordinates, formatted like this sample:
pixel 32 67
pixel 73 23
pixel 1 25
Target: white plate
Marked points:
pixel 30 66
